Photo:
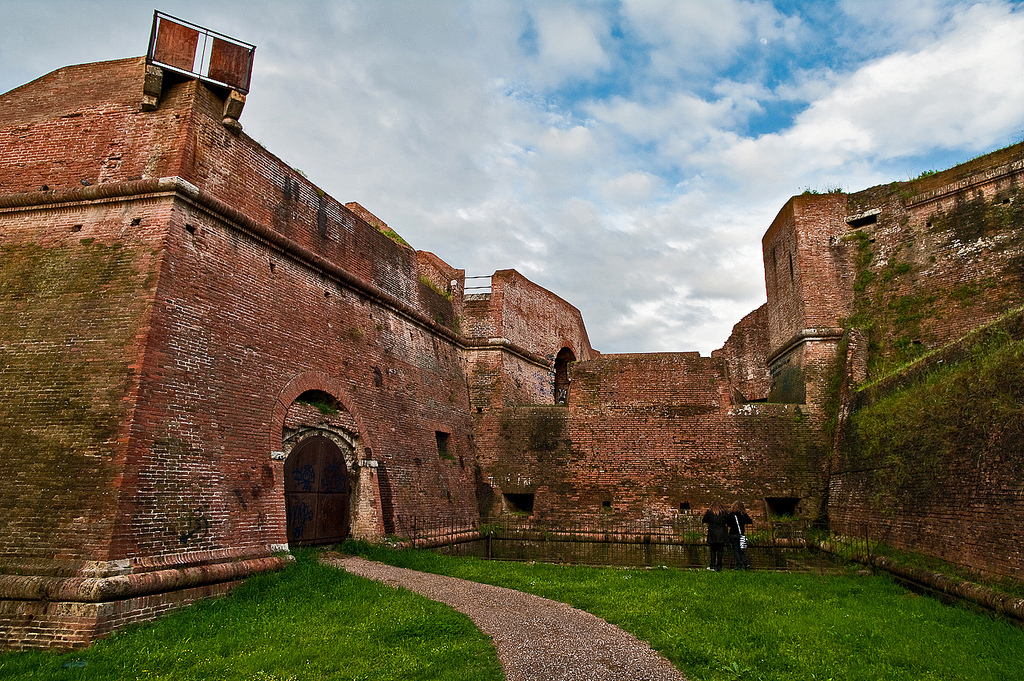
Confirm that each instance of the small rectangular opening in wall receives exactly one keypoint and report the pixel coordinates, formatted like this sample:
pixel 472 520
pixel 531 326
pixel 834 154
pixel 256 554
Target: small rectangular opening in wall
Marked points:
pixel 864 219
pixel 442 444
pixel 606 504
pixel 519 503
pixel 684 505
pixel 782 506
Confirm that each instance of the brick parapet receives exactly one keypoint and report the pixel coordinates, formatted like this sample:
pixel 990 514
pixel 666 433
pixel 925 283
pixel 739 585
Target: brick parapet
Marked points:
pixel 745 353
pixel 92 115
pixel 531 317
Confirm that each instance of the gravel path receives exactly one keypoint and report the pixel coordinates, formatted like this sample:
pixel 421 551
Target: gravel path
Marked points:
pixel 537 639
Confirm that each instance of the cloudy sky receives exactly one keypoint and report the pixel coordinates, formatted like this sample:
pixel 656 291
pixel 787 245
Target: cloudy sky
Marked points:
pixel 627 155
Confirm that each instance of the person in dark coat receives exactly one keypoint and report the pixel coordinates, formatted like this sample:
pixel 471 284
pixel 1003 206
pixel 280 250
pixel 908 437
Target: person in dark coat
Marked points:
pixel 716 519
pixel 737 520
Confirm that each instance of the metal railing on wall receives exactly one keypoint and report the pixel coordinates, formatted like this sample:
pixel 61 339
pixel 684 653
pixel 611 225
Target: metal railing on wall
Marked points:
pixel 481 284
pixel 673 542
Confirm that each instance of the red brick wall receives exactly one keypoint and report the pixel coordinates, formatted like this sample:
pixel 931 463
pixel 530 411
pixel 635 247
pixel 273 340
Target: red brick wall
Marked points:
pixel 942 257
pixel 950 485
pixel 76 288
pixel 156 335
pixel 229 334
pixel 806 267
pixel 84 123
pixel 178 325
pixel 649 433
pixel 533 318
pixel 810 285
pixel 746 354
pixel 533 325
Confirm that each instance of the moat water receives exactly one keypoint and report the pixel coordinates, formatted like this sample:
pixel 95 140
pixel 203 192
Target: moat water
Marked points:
pixel 690 556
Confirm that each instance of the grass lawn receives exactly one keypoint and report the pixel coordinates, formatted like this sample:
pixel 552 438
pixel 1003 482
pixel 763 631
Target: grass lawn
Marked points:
pixel 308 622
pixel 313 622
pixel 765 625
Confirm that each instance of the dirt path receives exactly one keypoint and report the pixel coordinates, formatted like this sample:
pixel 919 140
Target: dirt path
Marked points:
pixel 537 639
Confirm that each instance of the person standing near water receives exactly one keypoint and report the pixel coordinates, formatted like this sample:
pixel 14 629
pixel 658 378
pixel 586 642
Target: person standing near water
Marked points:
pixel 737 520
pixel 716 519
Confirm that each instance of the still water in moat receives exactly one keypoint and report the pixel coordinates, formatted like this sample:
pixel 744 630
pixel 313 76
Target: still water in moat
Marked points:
pixel 631 554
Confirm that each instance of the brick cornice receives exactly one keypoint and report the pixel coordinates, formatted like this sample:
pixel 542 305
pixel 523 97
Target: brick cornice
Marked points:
pixel 801 337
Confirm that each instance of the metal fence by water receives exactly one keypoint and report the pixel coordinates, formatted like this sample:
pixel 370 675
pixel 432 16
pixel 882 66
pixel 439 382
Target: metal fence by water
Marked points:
pixel 674 542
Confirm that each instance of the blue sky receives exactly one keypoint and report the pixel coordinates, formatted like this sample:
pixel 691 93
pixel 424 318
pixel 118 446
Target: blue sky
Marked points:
pixel 627 155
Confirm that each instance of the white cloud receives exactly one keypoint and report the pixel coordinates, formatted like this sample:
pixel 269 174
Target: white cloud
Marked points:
pixel 569 40
pixel 630 188
pixel 696 36
pixel 963 91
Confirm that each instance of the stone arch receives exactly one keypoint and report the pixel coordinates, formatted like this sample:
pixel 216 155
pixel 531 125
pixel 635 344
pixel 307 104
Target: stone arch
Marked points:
pixel 319 381
pixel 315 405
pixel 563 360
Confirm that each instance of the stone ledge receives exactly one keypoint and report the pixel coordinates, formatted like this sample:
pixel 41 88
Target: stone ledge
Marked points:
pixel 103 589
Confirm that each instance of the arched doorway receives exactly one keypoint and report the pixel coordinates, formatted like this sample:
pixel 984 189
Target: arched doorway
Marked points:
pixel 564 358
pixel 316 489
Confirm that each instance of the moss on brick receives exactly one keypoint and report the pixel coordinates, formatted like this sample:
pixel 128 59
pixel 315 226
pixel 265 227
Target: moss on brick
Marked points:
pixel 954 418
pixel 68 317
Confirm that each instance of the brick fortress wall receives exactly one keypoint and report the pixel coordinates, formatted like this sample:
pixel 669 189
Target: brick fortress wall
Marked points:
pixel 160 332
pixel 171 291
pixel 936 258
pixel 515 334
pixel 652 437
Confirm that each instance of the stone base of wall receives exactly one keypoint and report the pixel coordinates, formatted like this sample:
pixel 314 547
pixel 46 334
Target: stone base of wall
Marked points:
pixel 64 624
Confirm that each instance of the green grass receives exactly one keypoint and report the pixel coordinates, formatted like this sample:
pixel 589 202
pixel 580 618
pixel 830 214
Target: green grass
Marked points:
pixel 313 622
pixel 307 622
pixel 766 625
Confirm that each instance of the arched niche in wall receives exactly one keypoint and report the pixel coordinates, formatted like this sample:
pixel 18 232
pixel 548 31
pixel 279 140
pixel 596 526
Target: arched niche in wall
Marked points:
pixel 321 446
pixel 315 404
pixel 563 360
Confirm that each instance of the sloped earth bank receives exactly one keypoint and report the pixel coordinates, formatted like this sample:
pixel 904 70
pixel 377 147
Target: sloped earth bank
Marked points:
pixel 537 639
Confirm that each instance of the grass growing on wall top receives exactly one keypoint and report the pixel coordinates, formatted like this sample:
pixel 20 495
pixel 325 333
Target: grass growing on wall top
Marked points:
pixel 966 412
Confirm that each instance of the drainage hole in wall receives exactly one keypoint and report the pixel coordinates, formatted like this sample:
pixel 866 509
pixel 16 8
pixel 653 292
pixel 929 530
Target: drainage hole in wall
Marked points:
pixel 782 506
pixel 519 503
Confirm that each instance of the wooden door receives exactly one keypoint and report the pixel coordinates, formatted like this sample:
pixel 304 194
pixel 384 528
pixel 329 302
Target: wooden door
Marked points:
pixel 316 492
